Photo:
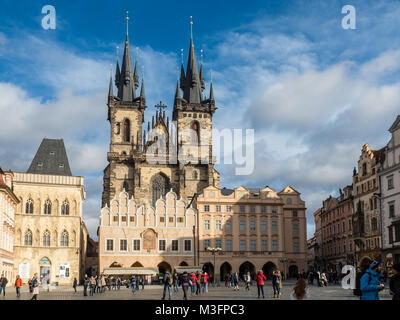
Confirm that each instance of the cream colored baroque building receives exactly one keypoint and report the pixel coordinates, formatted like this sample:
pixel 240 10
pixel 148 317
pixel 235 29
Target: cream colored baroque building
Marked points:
pixel 257 229
pixel 145 240
pixel 50 237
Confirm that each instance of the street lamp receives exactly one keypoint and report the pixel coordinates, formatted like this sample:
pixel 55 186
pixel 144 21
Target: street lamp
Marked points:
pixel 214 251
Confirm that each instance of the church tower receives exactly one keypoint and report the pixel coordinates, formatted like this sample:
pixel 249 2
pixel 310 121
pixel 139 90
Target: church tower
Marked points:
pixel 130 167
pixel 126 115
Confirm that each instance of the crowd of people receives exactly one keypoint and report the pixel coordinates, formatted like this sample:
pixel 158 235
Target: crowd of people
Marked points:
pixel 198 283
pixel 100 283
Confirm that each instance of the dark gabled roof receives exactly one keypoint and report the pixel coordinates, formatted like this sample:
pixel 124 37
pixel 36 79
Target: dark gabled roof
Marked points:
pixel 51 158
pixel 226 192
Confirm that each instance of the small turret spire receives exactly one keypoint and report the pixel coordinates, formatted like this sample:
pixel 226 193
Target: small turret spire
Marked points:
pixel 177 91
pixel 117 70
pixel 136 72
pixel 110 88
pixel 142 92
pixel 211 88
pixel 183 78
pixel 203 83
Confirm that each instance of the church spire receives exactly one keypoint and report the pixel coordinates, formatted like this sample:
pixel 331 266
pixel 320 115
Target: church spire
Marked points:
pixel 110 88
pixel 178 90
pixel 117 70
pixel 211 88
pixel 182 84
pixel 192 86
pixel 203 83
pixel 126 90
pixel 142 92
pixel 136 72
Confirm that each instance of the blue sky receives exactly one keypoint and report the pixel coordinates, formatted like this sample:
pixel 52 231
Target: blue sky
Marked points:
pixel 313 92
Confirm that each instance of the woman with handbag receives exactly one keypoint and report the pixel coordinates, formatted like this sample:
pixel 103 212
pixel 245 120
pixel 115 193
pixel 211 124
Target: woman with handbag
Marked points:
pixel 35 286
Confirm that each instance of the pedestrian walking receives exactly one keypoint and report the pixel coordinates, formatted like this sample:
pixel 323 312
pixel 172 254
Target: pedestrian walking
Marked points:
pixel 86 283
pixel 247 279
pixel 235 281
pixel 176 282
pixel 35 286
pixel 300 290
pixel 193 280
pixel 3 284
pixel 93 285
pixel 143 283
pixel 204 282
pixel 198 283
pixel 74 284
pixel 18 285
pixel 168 281
pixel 394 284
pixel 227 279
pixel 324 280
pixel 103 283
pixel 370 283
pixel 260 278
pixel 277 283
pixel 185 281
pixel 133 284
pixel 118 282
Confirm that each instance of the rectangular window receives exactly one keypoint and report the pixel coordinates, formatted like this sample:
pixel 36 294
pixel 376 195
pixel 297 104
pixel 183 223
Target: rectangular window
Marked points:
pixel 180 220
pixel 218 225
pixel 123 218
pixel 171 220
pixel 391 210
pixel 263 225
pixel 174 245
pixel 162 245
pixel 228 208
pixel 252 225
pixel 296 247
pixel 123 245
pixel 242 209
pixel 390 182
pixel 295 229
pixel 252 209
pixel 274 245
pixel 253 245
pixel 274 209
pixel 206 208
pixel 242 225
pixel 218 243
pixel 162 219
pixel 136 245
pixel 242 245
pixel 206 224
pixel 397 233
pixel 263 209
pixel 228 225
pixel 115 218
pixel 218 208
pixel 206 244
pixel 274 225
pixel 110 244
pixel 188 245
pixel 349 224
pixel 228 245
pixel 390 234
pixel 264 245
pixel 295 214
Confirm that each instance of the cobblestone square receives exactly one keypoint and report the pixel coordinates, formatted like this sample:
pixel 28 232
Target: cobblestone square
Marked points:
pixel 154 292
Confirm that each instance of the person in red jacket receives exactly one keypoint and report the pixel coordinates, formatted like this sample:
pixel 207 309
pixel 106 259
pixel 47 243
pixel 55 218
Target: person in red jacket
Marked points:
pixel 18 285
pixel 260 277
pixel 204 282
pixel 193 280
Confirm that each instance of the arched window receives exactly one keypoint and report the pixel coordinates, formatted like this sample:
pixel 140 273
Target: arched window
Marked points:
pixel 195 126
pixel 28 238
pixel 64 239
pixel 65 208
pixel 159 187
pixel 125 185
pixel 127 130
pixel 374 224
pixel 47 207
pixel 46 239
pixel 195 175
pixel 29 206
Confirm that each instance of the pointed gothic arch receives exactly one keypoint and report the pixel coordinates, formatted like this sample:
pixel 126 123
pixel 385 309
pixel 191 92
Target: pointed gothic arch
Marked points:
pixel 127 130
pixel 159 187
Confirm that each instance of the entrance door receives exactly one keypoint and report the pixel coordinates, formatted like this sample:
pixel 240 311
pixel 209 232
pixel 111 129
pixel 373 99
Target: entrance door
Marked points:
pixel 44 274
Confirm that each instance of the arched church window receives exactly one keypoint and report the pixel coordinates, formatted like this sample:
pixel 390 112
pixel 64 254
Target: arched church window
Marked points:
pixel 159 187
pixel 195 126
pixel 64 239
pixel 46 239
pixel 29 206
pixel 195 175
pixel 28 238
pixel 127 130
pixel 47 207
pixel 125 185
pixel 65 208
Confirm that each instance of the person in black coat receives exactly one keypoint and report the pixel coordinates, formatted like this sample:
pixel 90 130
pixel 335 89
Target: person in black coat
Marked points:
pixel 394 284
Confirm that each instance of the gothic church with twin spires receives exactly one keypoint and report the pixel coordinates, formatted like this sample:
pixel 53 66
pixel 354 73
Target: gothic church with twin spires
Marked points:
pixel 128 167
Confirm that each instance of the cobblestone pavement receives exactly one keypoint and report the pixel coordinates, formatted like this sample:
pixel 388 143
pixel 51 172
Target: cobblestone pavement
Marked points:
pixel 332 292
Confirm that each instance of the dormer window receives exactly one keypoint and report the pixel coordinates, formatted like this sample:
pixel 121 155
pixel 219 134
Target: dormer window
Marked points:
pixel 40 164
pixel 61 165
pixel 52 153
